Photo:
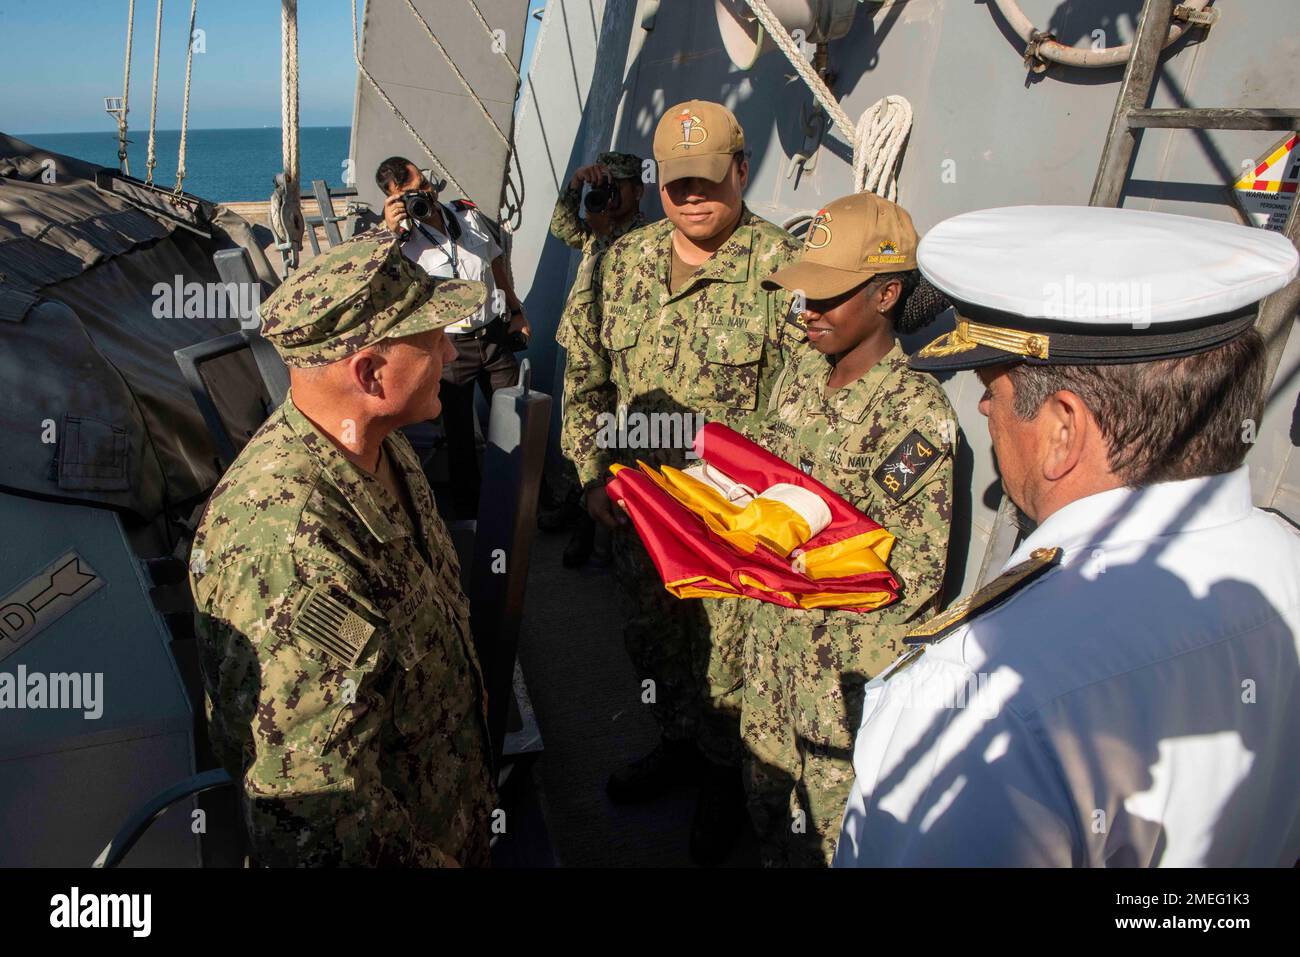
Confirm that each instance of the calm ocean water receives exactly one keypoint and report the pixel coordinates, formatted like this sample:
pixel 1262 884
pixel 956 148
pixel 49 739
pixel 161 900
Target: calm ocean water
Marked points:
pixel 221 165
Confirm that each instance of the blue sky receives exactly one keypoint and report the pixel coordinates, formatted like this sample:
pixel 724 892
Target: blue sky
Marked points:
pixel 62 57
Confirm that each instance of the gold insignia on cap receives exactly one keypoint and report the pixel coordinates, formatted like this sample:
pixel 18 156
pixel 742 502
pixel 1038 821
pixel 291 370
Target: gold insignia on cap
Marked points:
pixel 1039 562
pixel 886 254
pixel 330 626
pixel 819 225
pixel 691 124
pixel 967 335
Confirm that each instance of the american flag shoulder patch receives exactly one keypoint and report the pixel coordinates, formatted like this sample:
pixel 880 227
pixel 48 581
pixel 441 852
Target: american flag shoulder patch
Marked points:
pixel 328 623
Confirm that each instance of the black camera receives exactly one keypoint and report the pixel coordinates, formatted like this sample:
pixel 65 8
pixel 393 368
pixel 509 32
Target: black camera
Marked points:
pixel 603 198
pixel 418 204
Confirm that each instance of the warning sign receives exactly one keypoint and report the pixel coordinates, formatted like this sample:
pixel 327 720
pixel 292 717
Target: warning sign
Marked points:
pixel 1267 192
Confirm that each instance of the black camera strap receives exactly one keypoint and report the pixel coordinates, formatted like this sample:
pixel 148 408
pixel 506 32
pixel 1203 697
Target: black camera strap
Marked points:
pixel 450 249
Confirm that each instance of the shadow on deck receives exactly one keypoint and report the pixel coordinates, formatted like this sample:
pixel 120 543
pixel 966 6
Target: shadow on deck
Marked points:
pixel 586 698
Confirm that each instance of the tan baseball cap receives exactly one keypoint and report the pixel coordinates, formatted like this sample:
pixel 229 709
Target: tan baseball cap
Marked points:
pixel 848 242
pixel 696 138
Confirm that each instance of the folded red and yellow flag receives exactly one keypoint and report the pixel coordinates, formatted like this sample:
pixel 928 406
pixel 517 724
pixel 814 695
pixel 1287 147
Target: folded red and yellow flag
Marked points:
pixel 743 523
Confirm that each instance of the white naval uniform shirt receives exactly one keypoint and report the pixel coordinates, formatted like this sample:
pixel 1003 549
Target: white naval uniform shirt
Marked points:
pixel 471 255
pixel 1137 706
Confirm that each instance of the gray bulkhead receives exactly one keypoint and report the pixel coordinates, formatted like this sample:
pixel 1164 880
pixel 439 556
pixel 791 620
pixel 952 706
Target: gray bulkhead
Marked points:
pixel 986 133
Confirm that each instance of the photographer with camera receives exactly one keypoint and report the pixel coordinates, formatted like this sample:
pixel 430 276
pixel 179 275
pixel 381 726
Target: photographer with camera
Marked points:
pixel 611 208
pixel 456 241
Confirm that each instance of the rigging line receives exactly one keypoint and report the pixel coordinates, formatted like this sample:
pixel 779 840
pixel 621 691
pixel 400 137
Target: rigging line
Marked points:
pixel 460 76
pixel 185 108
pixel 356 53
pixel 289 93
pixel 486 26
pixel 152 160
pixel 781 37
pixel 882 132
pixel 123 162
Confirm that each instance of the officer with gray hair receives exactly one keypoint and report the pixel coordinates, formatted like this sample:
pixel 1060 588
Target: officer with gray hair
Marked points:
pixel 1124 693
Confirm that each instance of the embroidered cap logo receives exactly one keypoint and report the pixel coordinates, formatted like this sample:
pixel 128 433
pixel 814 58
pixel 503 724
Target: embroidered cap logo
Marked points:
pixel 819 225
pixel 691 124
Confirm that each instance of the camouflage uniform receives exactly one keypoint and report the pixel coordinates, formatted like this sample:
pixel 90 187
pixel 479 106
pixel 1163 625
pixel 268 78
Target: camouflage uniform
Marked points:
pixel 714 347
pixel 569 227
pixel 805 669
pixel 343 691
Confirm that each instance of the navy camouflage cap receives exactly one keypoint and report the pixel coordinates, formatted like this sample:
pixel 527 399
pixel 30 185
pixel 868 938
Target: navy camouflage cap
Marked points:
pixel 621 165
pixel 357 293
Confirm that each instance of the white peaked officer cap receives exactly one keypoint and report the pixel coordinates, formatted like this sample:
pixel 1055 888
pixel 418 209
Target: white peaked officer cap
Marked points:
pixel 1092 285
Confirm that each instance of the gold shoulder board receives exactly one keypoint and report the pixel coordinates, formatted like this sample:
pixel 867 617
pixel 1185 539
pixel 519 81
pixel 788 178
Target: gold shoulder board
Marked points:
pixel 1039 563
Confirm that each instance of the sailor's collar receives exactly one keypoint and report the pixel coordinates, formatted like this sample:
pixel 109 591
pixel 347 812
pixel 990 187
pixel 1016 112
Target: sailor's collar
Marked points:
pixel 1125 515
pixel 363 492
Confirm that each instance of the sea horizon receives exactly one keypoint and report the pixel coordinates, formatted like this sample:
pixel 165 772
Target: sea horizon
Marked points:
pixel 223 163
pixel 192 129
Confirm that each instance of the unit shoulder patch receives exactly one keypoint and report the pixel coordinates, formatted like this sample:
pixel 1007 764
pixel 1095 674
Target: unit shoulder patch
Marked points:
pixel 913 457
pixel 1039 563
pixel 330 625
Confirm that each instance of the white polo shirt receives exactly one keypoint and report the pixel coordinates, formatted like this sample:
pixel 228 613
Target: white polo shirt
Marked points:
pixel 1136 706
pixel 468 257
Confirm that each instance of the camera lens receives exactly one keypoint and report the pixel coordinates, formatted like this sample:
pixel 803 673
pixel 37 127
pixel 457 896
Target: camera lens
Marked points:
pixel 597 199
pixel 418 205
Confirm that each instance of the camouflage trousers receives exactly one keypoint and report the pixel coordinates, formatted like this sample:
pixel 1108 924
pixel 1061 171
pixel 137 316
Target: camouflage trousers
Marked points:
pixel 800 711
pixel 691 649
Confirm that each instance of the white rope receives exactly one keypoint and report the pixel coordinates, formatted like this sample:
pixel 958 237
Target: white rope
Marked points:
pixel 289 93
pixel 815 83
pixel 356 53
pixel 123 162
pixel 185 107
pixel 482 107
pixel 152 159
pixel 882 133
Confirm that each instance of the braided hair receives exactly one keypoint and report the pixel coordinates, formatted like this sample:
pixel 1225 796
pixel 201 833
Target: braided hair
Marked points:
pixel 919 303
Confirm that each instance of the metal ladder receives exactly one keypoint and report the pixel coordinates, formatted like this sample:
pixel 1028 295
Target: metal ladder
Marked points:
pixel 1131 116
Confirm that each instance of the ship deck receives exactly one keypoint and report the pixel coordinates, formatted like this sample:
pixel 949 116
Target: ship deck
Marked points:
pixel 586 698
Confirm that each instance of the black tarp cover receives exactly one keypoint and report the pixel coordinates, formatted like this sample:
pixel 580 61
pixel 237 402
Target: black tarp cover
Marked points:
pixel 95 409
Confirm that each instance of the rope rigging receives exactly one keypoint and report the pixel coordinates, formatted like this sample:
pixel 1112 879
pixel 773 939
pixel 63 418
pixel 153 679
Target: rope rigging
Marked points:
pixel 185 108
pixel 287 223
pixel 486 26
pixel 356 53
pixel 456 70
pixel 122 161
pixel 880 133
pixel 152 160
